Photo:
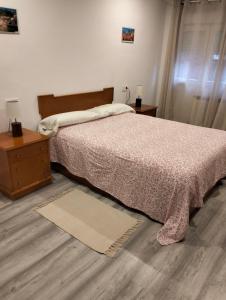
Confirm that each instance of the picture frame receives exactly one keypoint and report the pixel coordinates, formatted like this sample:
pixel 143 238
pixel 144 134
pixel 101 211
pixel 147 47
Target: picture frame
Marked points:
pixel 128 35
pixel 8 20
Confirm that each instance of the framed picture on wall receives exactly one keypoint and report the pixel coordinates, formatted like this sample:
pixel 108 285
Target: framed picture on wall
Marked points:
pixel 128 35
pixel 8 20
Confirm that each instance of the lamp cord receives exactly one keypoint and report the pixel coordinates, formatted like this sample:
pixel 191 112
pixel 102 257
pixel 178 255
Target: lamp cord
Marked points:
pixel 9 129
pixel 128 95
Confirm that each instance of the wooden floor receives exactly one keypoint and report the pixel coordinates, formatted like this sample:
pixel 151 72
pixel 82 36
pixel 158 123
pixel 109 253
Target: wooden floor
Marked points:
pixel 40 261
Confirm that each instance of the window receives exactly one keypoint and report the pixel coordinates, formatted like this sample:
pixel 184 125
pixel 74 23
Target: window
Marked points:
pixel 199 55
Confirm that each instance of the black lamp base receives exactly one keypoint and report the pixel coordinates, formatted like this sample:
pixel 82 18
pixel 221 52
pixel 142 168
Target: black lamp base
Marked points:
pixel 138 102
pixel 16 129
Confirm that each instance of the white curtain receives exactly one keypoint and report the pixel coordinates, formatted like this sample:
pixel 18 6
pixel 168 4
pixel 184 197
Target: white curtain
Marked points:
pixel 166 105
pixel 199 77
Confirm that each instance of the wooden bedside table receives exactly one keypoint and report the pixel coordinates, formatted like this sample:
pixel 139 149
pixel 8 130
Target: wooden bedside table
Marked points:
pixel 24 163
pixel 148 110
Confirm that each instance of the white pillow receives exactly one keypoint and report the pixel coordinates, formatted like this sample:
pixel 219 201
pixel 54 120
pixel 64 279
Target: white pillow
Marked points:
pixel 113 109
pixel 49 126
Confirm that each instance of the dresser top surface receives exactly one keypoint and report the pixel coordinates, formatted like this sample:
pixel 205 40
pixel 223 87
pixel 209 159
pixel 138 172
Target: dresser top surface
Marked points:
pixel 143 108
pixel 7 142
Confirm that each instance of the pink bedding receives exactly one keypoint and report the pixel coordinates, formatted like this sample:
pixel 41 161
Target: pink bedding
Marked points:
pixel 160 167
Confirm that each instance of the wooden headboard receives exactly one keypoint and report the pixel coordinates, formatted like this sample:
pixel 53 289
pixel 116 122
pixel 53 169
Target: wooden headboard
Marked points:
pixel 51 105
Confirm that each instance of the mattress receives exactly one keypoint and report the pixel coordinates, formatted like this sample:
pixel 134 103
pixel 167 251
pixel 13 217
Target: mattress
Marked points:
pixel 162 168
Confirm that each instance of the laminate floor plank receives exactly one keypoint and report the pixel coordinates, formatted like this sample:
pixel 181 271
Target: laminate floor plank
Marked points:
pixel 39 261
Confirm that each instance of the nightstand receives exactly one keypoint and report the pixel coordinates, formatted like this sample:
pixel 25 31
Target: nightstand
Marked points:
pixel 148 110
pixel 24 163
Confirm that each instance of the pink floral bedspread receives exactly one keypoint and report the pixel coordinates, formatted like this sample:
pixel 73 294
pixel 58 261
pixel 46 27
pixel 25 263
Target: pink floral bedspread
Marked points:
pixel 157 166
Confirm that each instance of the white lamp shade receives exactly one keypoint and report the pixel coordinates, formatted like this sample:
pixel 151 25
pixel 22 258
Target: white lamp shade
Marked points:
pixel 13 109
pixel 139 91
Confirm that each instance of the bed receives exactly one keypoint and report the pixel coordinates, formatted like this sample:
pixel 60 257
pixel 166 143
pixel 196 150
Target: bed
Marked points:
pixel 160 167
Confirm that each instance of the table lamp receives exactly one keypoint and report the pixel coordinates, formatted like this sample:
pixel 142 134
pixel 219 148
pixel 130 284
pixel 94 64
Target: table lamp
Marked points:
pixel 139 95
pixel 13 112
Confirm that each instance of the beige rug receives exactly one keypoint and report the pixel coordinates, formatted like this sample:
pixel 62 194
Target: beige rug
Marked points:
pixel 96 224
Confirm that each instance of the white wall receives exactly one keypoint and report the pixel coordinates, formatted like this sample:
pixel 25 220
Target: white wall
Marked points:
pixel 68 46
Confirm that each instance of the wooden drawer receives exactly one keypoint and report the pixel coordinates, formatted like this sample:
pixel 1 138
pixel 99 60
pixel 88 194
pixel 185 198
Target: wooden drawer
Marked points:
pixel 28 151
pixel 30 170
pixel 24 163
pixel 151 113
